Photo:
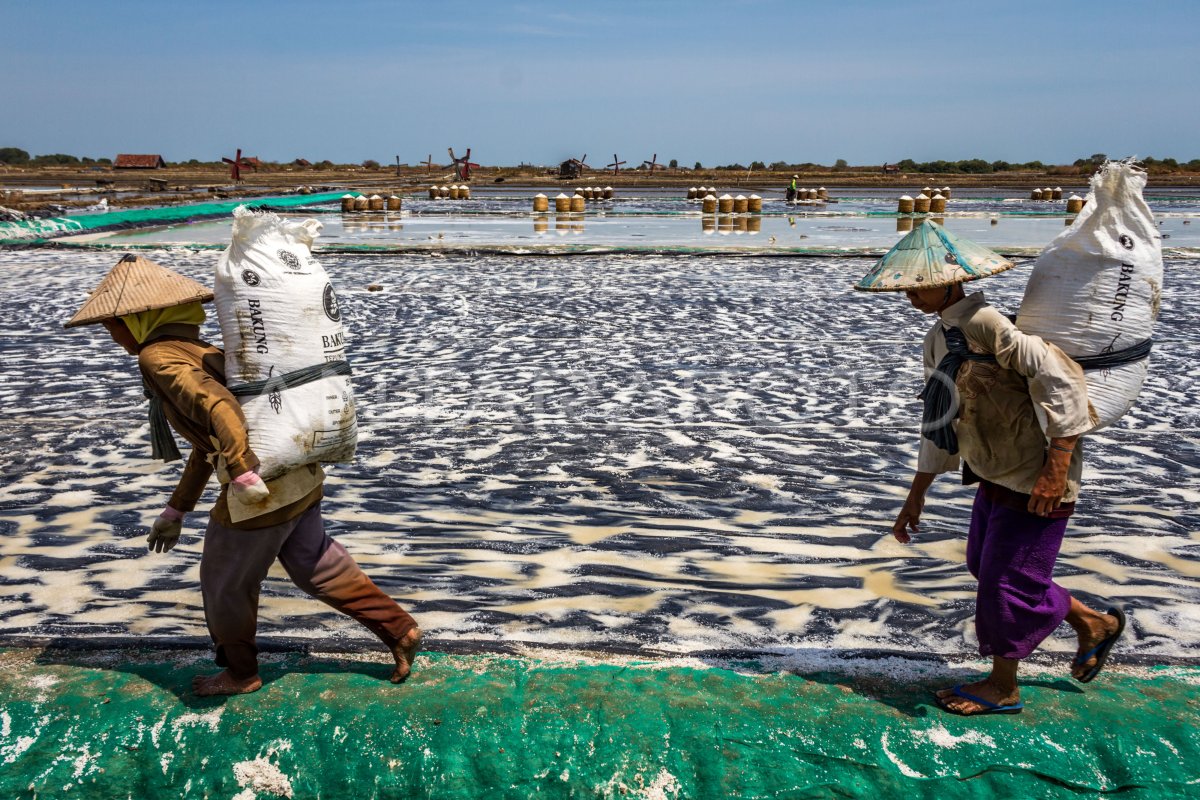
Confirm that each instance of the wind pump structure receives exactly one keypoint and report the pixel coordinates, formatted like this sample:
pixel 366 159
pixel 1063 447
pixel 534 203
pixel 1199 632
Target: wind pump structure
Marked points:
pixel 616 165
pixel 237 164
pixel 462 166
pixel 652 164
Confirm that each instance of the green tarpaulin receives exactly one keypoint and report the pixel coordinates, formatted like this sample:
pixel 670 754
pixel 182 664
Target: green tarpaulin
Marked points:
pixel 34 230
pixel 119 724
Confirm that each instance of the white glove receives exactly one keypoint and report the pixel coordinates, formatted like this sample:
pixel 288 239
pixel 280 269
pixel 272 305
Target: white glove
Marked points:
pixel 248 488
pixel 164 533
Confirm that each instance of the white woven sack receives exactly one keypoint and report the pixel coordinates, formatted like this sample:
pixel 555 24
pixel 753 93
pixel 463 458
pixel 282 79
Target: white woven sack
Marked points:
pixel 278 314
pixel 1096 288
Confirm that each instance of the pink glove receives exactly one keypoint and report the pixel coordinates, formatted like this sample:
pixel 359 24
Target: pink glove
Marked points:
pixel 249 488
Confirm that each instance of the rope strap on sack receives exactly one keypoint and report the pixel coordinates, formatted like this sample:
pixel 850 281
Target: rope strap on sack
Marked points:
pixel 940 404
pixel 1116 358
pixel 940 401
pixel 290 380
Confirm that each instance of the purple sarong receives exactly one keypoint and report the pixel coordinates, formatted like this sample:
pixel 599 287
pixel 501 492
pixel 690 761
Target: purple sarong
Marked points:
pixel 1012 553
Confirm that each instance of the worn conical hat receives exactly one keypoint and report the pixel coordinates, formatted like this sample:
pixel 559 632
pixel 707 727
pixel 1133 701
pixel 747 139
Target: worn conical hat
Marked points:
pixel 931 257
pixel 134 285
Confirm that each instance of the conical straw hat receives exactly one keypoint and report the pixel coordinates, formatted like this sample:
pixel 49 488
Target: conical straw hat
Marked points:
pixel 134 285
pixel 931 257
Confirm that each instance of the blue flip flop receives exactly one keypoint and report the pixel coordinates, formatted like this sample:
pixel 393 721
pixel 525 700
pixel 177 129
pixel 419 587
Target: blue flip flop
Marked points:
pixel 988 706
pixel 1100 651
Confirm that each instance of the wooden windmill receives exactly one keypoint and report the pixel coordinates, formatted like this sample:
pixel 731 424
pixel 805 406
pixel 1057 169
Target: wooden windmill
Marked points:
pixel 652 164
pixel 462 166
pixel 237 164
pixel 616 165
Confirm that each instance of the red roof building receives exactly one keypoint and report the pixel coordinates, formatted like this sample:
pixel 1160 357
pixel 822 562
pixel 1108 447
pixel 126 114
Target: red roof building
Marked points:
pixel 128 161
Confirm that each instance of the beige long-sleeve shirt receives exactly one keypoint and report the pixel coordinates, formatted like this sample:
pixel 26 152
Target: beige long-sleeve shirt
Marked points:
pixel 1011 408
pixel 189 376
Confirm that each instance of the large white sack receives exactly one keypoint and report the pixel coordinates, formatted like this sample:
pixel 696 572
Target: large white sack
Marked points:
pixel 278 314
pixel 1096 288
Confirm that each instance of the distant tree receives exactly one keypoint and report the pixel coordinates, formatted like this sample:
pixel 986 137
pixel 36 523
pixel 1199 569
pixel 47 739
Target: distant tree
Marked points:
pixel 698 166
pixel 13 155
pixel 840 164
pixel 1161 164
pixel 974 166
pixel 54 159
pixel 780 166
pixel 674 163
pixel 1193 164
pixel 106 161
pixel 969 166
pixel 758 165
pixel 193 162
pixel 370 163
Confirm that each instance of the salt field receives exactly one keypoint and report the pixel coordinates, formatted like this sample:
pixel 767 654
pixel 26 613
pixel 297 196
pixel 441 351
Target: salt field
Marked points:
pixel 593 336
pixel 645 453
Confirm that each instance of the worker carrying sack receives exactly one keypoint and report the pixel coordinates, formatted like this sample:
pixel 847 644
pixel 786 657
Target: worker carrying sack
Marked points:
pixel 284 344
pixel 1095 290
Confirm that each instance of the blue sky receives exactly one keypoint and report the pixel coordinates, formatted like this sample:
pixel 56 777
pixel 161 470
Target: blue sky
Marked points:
pixel 715 82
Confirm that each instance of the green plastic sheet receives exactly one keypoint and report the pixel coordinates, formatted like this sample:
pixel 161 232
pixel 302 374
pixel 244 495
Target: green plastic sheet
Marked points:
pixel 35 230
pixel 118 724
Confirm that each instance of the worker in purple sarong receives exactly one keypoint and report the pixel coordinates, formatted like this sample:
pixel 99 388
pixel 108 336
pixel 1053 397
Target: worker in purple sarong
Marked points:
pixel 1009 408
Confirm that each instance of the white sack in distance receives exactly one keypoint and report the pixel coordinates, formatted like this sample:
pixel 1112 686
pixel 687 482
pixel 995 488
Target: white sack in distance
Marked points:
pixel 1097 287
pixel 278 313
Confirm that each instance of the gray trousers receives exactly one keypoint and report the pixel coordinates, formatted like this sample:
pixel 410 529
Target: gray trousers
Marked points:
pixel 235 563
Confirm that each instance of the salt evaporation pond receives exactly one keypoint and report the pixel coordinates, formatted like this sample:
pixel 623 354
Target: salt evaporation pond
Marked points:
pixel 661 220
pixel 657 453
pixel 598 229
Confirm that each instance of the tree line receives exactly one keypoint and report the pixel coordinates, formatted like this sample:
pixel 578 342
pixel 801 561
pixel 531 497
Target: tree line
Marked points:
pixel 978 166
pixel 16 157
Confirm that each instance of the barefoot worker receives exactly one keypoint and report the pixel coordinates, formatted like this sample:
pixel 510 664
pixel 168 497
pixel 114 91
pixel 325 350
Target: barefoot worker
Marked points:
pixel 985 378
pixel 155 314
